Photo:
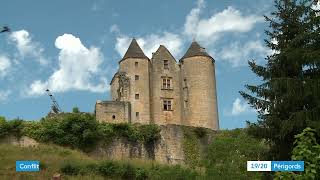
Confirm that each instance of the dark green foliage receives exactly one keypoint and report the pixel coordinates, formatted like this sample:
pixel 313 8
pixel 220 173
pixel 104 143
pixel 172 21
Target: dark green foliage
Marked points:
pixel 4 129
pixel 109 169
pixel 13 127
pixel 288 100
pixel 70 169
pixel 134 133
pixel 75 110
pixel 117 170
pixel 308 150
pixel 200 132
pixel 229 152
pixel 75 130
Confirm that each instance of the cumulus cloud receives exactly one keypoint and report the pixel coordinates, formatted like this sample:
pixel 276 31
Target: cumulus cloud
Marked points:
pixel 78 65
pixel 26 46
pixel 5 65
pixel 238 54
pixel 239 107
pixel 210 29
pixel 205 30
pixel 4 94
pixel 114 29
pixel 150 43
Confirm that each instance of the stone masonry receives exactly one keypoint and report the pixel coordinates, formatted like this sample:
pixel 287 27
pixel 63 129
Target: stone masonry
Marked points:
pixel 161 90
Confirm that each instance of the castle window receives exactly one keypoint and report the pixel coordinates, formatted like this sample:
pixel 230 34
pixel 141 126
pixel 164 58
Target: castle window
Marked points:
pixel 136 64
pixel 167 105
pixel 166 83
pixel 137 115
pixel 113 117
pixel 136 96
pixel 165 64
pixel 136 77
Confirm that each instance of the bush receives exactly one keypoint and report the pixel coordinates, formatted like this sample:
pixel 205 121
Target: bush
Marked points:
pixel 200 132
pixel 308 150
pixel 229 152
pixel 13 127
pixel 108 169
pixel 75 110
pixel 70 169
pixel 74 130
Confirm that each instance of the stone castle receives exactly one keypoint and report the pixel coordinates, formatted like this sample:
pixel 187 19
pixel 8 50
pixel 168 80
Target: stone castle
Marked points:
pixel 161 91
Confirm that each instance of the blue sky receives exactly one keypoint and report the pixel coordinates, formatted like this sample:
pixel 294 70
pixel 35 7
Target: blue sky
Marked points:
pixel 73 48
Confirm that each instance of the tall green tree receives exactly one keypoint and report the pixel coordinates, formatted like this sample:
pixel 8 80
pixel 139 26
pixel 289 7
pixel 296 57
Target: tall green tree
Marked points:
pixel 288 99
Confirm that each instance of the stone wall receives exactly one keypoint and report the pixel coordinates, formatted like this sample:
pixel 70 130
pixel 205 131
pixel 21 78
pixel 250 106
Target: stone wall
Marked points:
pixel 168 150
pixel 24 141
pixel 113 111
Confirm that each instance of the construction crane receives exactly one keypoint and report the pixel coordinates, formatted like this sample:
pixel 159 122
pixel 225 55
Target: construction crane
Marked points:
pixel 5 29
pixel 55 108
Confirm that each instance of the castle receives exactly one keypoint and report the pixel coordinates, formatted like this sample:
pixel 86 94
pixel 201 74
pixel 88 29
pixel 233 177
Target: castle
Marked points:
pixel 161 91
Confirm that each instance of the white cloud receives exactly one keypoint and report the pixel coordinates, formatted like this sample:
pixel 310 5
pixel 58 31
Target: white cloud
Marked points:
pixel 77 67
pixel 238 54
pixel 239 107
pixel 150 43
pixel 210 29
pixel 5 65
pixel 26 46
pixel 114 29
pixel 4 95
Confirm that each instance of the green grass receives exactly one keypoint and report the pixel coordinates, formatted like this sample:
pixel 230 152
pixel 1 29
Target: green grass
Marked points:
pixel 54 158
pixel 51 158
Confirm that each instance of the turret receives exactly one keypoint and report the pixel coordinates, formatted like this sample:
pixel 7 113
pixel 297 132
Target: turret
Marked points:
pixel 199 88
pixel 132 83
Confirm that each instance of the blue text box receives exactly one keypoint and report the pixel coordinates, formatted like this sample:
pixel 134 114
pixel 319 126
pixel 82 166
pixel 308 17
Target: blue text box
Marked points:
pixel 287 165
pixel 27 166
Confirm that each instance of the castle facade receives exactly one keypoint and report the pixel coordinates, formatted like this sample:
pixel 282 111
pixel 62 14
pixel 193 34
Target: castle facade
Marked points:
pixel 161 91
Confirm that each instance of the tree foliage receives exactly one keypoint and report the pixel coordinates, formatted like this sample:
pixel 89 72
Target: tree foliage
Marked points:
pixel 288 100
pixel 308 150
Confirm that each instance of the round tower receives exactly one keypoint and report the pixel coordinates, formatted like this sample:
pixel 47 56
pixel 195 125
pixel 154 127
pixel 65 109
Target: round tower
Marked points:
pixel 199 88
pixel 135 65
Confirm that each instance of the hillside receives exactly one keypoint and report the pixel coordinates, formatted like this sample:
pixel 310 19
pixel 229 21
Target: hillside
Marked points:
pixel 226 158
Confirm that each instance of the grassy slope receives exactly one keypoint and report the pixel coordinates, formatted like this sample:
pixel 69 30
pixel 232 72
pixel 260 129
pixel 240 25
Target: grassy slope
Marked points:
pixel 227 157
pixel 51 157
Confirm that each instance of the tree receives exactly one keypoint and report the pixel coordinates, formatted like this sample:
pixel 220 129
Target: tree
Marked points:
pixel 75 110
pixel 288 100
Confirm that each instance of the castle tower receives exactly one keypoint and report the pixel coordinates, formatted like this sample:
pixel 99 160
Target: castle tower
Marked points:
pixel 135 67
pixel 165 88
pixel 199 88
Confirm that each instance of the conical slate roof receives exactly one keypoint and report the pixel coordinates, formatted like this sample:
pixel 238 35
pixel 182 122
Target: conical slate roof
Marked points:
pixel 195 50
pixel 134 51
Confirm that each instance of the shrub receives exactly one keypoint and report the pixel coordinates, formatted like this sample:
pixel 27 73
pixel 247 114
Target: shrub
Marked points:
pixel 308 150
pixel 200 132
pixel 70 169
pixel 141 174
pixel 109 169
pixel 75 110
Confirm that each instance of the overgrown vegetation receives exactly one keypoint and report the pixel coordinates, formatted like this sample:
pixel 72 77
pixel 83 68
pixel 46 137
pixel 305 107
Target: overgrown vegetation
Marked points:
pixel 79 130
pixel 229 152
pixel 77 165
pixel 191 145
pixel 113 169
pixel 308 150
